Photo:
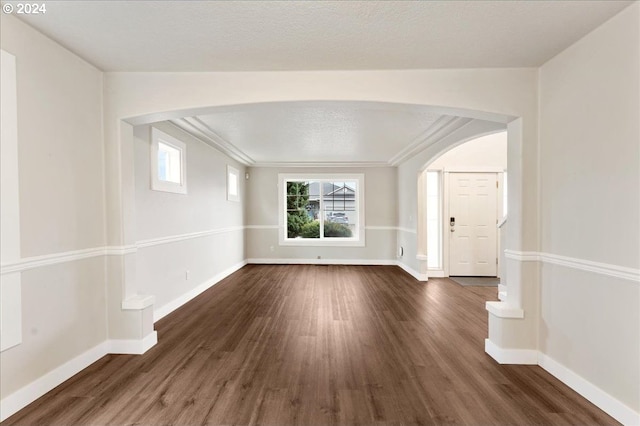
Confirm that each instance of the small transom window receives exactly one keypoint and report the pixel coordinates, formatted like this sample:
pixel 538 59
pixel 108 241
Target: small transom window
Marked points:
pixel 168 163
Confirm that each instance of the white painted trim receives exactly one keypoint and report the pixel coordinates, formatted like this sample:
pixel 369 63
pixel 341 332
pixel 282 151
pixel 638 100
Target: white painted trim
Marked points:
pixel 407 230
pixel 262 227
pixel 502 292
pixel 357 240
pixel 422 257
pixel 607 269
pixel 27 263
pixel 233 172
pixel 293 261
pixel 522 256
pixel 331 165
pixel 181 237
pixel 616 271
pixel 159 137
pixel 473 169
pixel 132 346
pixel 511 356
pixel 415 274
pixel 385 262
pixel 13 403
pixel 120 250
pixel 436 273
pixel 138 302
pixel 443 127
pixel 367 228
pixel 504 310
pixel 324 242
pixel 502 221
pixel 34 390
pixel 381 228
pixel 201 131
pixel 601 399
pixel 607 403
pixel 166 309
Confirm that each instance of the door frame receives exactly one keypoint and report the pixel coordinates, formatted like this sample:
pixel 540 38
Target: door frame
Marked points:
pixel 445 209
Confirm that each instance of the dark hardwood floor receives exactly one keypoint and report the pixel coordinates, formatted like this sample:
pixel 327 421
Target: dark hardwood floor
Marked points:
pixel 317 345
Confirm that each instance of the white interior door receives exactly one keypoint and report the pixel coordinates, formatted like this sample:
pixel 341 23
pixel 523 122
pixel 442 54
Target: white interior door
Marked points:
pixel 473 213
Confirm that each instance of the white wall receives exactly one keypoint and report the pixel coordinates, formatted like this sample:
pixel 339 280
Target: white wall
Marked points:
pixel 380 217
pixel 488 151
pixel 161 264
pixel 62 209
pixel 590 198
pixel 586 97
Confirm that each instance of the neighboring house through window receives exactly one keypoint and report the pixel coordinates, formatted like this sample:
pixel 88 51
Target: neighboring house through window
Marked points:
pixel 322 209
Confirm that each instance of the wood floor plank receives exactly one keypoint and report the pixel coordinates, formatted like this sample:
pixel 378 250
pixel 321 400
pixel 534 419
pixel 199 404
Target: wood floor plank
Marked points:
pixel 317 345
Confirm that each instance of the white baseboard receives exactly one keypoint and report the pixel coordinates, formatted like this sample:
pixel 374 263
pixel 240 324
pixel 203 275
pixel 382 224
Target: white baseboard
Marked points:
pixel 589 391
pixel 165 310
pixel 510 356
pixel 436 273
pixel 273 261
pixel 280 261
pixel 34 390
pixel 133 347
pixel 415 274
pixel 601 399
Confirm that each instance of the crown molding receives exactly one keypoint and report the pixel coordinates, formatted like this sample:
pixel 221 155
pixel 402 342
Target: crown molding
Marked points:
pixel 198 129
pixel 333 165
pixel 443 127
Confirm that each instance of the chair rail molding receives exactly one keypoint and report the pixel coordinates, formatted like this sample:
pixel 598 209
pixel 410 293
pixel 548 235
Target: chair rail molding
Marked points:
pixel 631 274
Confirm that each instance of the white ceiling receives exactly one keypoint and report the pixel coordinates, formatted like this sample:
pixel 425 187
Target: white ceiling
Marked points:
pixel 318 35
pixel 317 132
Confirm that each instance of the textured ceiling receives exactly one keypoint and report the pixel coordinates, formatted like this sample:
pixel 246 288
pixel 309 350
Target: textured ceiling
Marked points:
pixel 318 35
pixel 319 132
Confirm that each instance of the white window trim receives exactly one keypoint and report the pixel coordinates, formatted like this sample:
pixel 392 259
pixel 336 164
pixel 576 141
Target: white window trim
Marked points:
pixel 357 241
pixel 235 172
pixel 158 136
pixel 440 225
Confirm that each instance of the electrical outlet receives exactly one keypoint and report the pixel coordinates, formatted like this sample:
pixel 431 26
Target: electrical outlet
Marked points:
pixel 186 275
pixel 271 249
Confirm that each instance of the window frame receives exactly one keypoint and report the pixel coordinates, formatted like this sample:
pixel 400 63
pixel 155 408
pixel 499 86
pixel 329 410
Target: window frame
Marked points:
pixel 358 240
pixel 157 137
pixel 232 171
pixel 439 221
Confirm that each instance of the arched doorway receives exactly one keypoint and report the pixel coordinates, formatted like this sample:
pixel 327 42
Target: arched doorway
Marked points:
pixel 133 100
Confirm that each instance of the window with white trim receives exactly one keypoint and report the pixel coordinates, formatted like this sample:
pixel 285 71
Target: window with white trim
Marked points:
pixel 168 163
pixel 233 184
pixel 322 209
pixel 434 219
